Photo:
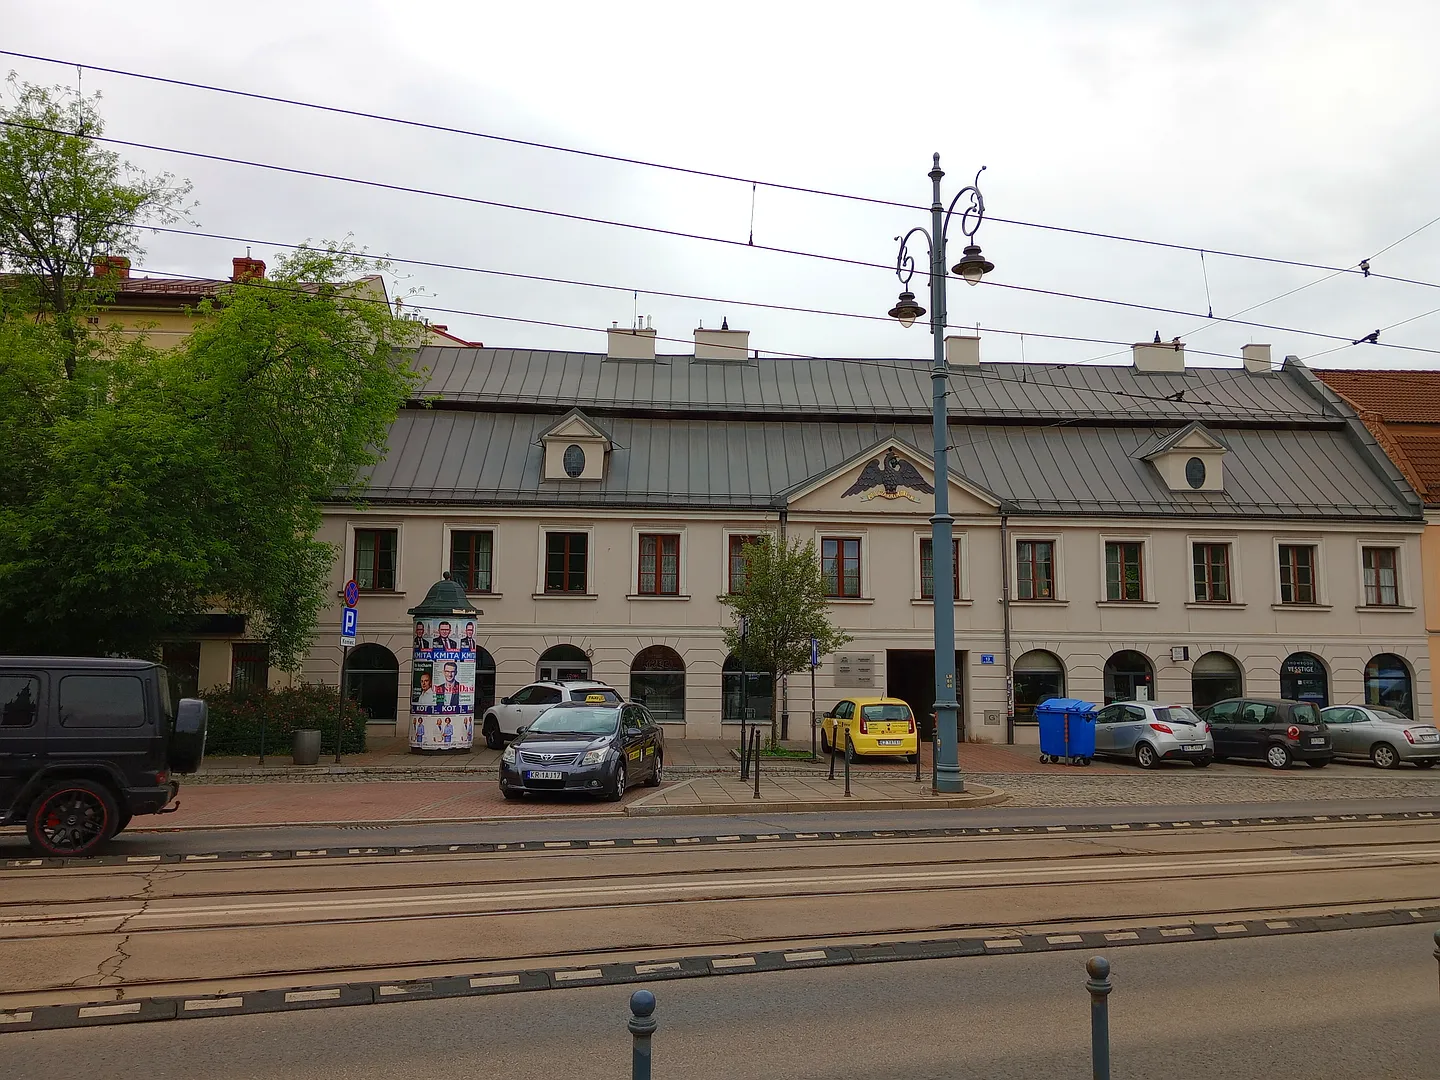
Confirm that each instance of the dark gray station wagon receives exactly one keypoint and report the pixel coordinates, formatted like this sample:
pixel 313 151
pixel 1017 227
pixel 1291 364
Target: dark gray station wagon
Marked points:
pixel 1273 730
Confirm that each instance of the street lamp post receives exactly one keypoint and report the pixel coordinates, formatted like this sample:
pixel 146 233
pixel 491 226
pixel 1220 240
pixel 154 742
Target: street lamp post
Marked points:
pixel 972 267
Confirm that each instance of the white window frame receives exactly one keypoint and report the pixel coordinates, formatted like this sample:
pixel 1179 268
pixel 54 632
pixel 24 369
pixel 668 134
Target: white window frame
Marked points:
pixel 1322 585
pixel 545 530
pixel 1147 576
pixel 1237 593
pixel 493 528
pixel 863 535
pixel 683 583
pixel 1403 597
pixel 351 524
pixel 962 541
pixel 1058 565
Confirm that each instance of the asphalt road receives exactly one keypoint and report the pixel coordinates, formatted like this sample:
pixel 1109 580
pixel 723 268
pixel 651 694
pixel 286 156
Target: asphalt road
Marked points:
pixel 1356 1005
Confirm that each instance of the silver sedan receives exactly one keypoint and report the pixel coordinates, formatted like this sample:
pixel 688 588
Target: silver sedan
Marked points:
pixel 1383 735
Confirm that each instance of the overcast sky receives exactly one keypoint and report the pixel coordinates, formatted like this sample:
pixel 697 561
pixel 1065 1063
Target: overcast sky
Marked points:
pixel 1302 130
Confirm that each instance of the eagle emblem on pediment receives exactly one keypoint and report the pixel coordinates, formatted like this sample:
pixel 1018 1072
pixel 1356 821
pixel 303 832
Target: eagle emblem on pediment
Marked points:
pixel 890 477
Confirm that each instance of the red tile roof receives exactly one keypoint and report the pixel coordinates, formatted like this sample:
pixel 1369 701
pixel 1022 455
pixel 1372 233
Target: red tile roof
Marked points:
pixel 1398 396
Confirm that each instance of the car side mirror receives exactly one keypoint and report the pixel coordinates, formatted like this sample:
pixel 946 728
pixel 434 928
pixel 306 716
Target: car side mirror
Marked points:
pixel 520 731
pixel 504 701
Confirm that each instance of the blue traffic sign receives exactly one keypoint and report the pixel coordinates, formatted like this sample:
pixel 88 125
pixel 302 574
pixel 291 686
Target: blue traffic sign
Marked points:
pixel 349 624
pixel 352 593
pixel 987 658
pixel 814 652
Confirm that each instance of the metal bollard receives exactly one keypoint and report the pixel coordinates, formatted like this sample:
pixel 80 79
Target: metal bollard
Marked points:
pixel 642 1025
pixel 744 752
pixel 1437 946
pixel 757 763
pixel 849 742
pixel 832 762
pixel 1099 986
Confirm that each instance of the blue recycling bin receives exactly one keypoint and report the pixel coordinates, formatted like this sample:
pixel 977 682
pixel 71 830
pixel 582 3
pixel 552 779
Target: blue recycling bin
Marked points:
pixel 1067 730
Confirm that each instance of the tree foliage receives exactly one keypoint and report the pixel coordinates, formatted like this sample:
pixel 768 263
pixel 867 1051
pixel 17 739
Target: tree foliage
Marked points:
pixel 140 488
pixel 64 200
pixel 784 605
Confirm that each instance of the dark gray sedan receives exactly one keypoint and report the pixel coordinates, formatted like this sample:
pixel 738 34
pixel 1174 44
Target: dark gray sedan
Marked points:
pixel 1383 735
pixel 593 746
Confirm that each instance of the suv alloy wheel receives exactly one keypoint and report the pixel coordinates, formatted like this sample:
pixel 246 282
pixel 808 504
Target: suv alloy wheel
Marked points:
pixel 73 817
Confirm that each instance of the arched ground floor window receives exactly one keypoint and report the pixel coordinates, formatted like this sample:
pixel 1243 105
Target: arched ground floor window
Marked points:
pixel 657 681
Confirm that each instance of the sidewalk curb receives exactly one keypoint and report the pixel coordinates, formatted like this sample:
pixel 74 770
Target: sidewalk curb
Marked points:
pixel 983 796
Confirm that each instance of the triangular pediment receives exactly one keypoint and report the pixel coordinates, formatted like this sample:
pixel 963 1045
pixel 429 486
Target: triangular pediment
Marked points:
pixel 576 425
pixel 889 477
pixel 1193 436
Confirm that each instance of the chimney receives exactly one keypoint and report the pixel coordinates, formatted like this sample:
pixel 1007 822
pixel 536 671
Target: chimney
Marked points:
pixel 1257 359
pixel 636 344
pixel 722 344
pixel 962 350
pixel 247 269
pixel 1160 358
pixel 117 266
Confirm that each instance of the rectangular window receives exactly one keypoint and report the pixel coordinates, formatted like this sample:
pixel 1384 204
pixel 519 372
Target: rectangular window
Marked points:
pixel 375 559
pixel 102 701
pixel 249 665
pixel 659 564
pixel 182 664
pixel 927 568
pixel 1124 577
pixel 565 555
pixel 1035 569
pixel 1297 574
pixel 737 561
pixel 1382 584
pixel 19 700
pixel 1212 573
pixel 840 561
pixel 471 554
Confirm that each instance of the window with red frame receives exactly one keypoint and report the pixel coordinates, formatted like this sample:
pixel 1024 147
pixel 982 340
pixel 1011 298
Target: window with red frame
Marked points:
pixel 659 564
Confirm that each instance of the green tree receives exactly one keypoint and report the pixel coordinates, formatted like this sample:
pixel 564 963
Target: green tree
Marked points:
pixel 784 605
pixel 175 482
pixel 64 200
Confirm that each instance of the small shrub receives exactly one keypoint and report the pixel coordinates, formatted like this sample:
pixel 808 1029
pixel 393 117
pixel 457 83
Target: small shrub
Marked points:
pixel 236 717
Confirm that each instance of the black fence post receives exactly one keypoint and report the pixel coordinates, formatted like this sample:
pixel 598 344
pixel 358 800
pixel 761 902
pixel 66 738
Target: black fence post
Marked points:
pixel 849 743
pixel 757 763
pixel 832 760
pixel 642 1025
pixel 1437 946
pixel 1099 986
pixel 744 751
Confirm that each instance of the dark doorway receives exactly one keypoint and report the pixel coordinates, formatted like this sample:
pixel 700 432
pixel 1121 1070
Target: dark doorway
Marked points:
pixel 910 676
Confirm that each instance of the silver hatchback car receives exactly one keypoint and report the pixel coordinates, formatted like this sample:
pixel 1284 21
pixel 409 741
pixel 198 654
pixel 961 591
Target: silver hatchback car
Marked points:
pixel 1383 735
pixel 1148 733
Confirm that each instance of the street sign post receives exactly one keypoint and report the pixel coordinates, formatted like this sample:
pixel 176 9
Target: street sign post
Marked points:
pixel 349 625
pixel 814 663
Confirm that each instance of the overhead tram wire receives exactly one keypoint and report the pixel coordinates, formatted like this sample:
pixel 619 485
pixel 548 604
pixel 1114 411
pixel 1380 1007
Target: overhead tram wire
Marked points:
pixel 721 301
pixel 705 173
pixel 892 365
pixel 657 230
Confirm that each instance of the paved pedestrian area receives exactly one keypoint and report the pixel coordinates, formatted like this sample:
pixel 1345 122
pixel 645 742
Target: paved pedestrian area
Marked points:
pixel 799 794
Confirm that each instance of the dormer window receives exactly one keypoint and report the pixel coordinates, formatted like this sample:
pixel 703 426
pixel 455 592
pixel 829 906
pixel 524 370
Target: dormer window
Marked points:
pixel 574 460
pixel 575 449
pixel 1191 459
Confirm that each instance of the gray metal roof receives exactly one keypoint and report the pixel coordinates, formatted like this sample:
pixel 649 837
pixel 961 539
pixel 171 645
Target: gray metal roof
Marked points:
pixel 841 387
pixel 494 457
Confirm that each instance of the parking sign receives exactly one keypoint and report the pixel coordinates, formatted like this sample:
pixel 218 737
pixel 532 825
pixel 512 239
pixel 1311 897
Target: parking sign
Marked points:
pixel 349 624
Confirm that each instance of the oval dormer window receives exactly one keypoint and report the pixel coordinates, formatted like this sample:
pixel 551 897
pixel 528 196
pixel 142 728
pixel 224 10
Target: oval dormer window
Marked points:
pixel 1194 471
pixel 575 462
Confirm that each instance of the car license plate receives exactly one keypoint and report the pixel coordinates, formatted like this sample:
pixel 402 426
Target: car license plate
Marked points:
pixel 1430 738
pixel 547 774
pixel 1194 748
pixel 1317 742
pixel 889 742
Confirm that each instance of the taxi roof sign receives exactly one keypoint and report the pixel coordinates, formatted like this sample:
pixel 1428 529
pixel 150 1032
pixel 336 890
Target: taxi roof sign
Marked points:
pixel 594 699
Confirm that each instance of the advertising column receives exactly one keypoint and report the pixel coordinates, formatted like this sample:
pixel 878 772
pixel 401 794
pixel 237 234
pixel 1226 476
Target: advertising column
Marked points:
pixel 442 666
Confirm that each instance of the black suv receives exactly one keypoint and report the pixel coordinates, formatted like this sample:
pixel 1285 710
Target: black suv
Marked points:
pixel 87 744
pixel 1275 730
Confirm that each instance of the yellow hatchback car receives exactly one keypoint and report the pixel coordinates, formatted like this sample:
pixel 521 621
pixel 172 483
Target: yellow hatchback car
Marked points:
pixel 877 726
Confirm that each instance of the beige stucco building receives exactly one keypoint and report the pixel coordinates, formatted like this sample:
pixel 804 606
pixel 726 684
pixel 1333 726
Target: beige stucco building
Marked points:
pixel 1181 534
